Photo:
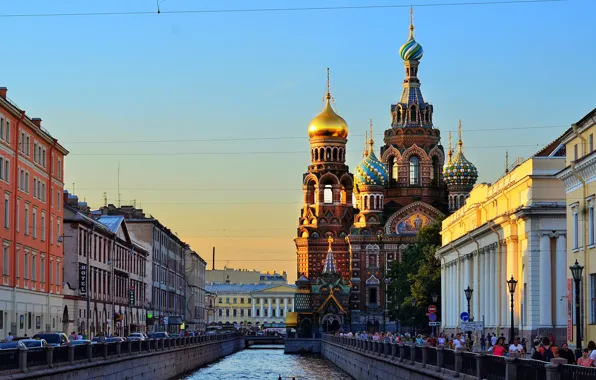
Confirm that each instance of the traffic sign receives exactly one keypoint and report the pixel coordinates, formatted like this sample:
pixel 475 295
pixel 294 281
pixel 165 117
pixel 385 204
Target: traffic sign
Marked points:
pixel 432 317
pixel 437 323
pixel 464 316
pixel 432 309
pixel 472 326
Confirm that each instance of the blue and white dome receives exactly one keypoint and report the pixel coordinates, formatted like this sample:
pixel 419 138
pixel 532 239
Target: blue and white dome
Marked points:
pixel 371 171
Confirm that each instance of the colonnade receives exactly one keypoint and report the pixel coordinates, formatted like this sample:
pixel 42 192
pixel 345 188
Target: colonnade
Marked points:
pixel 283 305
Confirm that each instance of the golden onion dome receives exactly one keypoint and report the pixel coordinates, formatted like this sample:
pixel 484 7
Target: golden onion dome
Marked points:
pixel 328 123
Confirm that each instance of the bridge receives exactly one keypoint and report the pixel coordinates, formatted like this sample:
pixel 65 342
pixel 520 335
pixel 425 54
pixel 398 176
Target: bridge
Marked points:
pixel 262 340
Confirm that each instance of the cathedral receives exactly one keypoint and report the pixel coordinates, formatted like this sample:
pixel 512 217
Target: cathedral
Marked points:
pixel 353 225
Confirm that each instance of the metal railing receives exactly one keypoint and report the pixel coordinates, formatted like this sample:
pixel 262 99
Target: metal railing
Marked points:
pixel 477 365
pixel 32 359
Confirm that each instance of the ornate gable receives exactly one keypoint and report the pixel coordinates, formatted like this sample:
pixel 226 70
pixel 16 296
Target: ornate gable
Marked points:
pixel 410 219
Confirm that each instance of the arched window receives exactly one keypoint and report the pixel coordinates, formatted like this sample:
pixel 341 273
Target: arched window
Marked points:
pixel 395 171
pixel 413 114
pixel 436 170
pixel 327 194
pixel 414 171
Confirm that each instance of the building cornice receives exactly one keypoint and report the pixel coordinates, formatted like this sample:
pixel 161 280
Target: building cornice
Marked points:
pixel 585 168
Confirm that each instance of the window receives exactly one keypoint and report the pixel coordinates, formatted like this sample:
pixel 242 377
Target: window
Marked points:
pixel 58 229
pixel 42 270
pixel 7 171
pixel 33 268
pixel 34 223
pixel 43 192
pixel 6 211
pixel 7 131
pixel 1 127
pixel 328 194
pixel 28 146
pixel 59 168
pixel 241 300
pixel 26 275
pixel 575 152
pixel 414 171
pixel 591 142
pixel 26 220
pixel 35 187
pixel 27 182
pixel 51 230
pixel 591 222
pixel 22 179
pixel 43 227
pixel 2 168
pixel 220 312
pixel 18 216
pixel 235 300
pixel 51 270
pixel 5 262
pixel 575 227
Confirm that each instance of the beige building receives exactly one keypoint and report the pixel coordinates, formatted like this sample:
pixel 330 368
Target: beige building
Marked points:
pixel 513 227
pixel 579 178
pixel 195 291
pixel 253 304
pixel 245 276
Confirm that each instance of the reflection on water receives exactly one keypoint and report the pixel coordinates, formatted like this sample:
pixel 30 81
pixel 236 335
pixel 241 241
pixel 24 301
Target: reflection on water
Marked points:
pixel 269 363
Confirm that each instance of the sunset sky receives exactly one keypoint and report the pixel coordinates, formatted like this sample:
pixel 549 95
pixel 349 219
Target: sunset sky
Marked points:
pixel 207 112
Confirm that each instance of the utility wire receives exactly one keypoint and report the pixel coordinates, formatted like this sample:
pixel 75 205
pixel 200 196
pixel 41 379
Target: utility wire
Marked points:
pixel 262 10
pixel 268 153
pixel 124 141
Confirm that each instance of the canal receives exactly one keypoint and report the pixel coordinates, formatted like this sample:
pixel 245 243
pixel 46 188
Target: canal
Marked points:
pixel 269 362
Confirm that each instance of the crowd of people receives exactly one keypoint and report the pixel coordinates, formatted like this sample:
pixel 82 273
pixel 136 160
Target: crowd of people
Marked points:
pixel 544 348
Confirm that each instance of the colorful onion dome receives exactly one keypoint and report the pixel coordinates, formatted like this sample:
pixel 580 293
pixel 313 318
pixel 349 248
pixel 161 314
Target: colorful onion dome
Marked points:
pixel 371 171
pixel 411 50
pixel 460 171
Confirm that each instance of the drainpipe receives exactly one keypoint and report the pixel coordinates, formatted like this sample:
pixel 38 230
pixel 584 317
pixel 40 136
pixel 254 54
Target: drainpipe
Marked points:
pixel 48 229
pixel 15 192
pixel 477 285
pixel 585 241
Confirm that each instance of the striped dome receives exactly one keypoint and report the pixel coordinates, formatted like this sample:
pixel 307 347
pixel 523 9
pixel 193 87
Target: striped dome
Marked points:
pixel 371 171
pixel 411 50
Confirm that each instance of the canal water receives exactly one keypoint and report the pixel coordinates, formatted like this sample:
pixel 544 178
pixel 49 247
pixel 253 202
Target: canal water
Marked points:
pixel 269 363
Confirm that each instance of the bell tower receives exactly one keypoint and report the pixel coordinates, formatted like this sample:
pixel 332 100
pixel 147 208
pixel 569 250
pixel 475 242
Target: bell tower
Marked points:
pixel 327 186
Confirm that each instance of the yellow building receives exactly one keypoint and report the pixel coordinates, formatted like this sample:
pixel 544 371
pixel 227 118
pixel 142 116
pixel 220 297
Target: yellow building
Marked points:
pixel 513 227
pixel 252 304
pixel 579 178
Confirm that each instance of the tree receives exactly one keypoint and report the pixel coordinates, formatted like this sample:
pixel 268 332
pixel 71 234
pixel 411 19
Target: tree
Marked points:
pixel 416 277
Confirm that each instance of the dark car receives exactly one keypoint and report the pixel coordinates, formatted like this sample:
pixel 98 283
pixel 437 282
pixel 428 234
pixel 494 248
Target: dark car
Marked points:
pixel 53 338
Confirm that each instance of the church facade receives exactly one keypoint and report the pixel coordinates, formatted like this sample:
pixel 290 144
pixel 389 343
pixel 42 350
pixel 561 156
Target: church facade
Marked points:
pixel 374 213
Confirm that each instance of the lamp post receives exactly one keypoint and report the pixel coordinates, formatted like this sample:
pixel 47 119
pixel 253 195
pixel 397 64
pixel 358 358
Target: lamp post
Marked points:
pixel 576 271
pixel 434 297
pixel 468 291
pixel 413 302
pixel 512 284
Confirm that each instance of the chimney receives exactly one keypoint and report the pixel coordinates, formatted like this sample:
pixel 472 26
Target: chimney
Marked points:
pixel 36 121
pixel 213 267
pixel 3 91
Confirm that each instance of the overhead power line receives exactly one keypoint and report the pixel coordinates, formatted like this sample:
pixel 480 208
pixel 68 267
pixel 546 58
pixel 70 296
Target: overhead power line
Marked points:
pixel 215 139
pixel 158 11
pixel 269 153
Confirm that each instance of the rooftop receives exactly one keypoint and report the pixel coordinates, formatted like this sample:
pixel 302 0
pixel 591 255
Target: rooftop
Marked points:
pixel 239 288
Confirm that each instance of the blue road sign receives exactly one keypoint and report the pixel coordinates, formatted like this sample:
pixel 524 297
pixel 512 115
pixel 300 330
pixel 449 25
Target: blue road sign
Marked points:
pixel 464 316
pixel 432 317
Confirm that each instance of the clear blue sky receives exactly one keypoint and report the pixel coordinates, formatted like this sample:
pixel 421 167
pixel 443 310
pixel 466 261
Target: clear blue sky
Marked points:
pixel 253 75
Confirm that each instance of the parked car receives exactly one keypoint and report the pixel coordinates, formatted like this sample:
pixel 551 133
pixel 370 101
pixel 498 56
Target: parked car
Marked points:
pixel 34 343
pixel 160 335
pixel 81 342
pixel 136 336
pixel 11 345
pixel 115 339
pixel 53 338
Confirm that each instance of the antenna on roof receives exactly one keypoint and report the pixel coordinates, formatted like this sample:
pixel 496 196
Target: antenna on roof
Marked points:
pixel 105 199
pixel 73 188
pixel 118 184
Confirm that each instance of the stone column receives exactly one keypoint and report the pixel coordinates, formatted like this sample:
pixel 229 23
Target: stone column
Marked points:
pixel 443 292
pixel 285 306
pixel 561 280
pixel 262 300
pixel 546 316
pixel 254 308
pixel 269 307
pixel 277 302
pixel 486 283
pixel 492 287
pixel 481 285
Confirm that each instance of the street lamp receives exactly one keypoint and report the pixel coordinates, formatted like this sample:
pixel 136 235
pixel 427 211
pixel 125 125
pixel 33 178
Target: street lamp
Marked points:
pixel 469 292
pixel 511 284
pixel 576 271
pixel 434 297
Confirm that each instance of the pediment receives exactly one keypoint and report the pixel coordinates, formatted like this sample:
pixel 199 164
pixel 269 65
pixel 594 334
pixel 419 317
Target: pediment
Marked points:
pixel 410 219
pixel 278 289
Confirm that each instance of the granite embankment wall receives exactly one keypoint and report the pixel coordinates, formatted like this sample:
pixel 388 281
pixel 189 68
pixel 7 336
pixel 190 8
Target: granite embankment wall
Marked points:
pixel 162 361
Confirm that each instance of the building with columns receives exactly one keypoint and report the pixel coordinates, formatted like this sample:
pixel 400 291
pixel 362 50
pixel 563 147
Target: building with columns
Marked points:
pixel 251 304
pixel 579 179
pixel 516 228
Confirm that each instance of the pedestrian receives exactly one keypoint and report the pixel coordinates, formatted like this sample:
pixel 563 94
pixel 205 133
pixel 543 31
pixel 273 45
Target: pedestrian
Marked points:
pixel 516 347
pixel 585 360
pixel 9 338
pixel 566 353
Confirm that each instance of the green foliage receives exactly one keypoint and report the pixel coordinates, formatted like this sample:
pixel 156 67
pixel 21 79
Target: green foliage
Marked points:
pixel 416 277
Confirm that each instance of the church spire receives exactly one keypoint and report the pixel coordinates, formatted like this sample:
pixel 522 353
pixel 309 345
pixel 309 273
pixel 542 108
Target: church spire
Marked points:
pixel 329 266
pixel 371 141
pixel 449 150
